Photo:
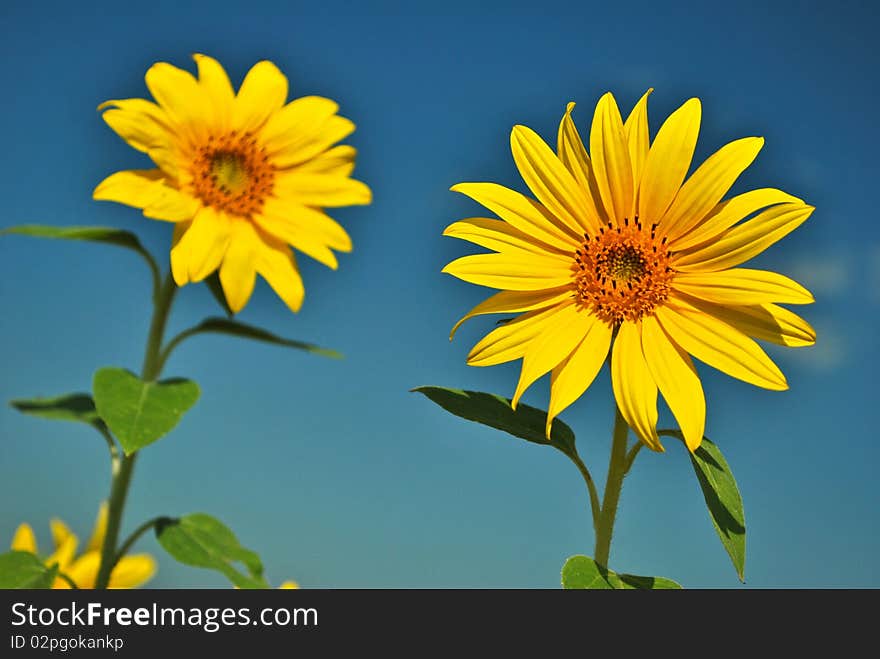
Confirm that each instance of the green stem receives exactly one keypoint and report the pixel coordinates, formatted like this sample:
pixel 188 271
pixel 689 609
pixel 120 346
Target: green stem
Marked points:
pixel 613 484
pixel 124 466
pixel 135 536
pixel 631 456
pixel 70 582
pixel 591 487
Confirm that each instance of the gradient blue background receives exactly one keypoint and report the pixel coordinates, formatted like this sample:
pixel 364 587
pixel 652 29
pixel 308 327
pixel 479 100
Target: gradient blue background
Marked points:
pixel 332 470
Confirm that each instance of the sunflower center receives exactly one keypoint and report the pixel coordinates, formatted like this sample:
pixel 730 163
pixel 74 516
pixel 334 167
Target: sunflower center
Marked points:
pixel 232 173
pixel 229 173
pixel 622 273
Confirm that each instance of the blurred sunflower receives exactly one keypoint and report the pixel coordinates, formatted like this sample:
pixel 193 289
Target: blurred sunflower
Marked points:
pixel 131 571
pixel 619 248
pixel 242 175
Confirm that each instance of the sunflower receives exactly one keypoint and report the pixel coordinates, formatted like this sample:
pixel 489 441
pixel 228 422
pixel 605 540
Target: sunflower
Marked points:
pixel 619 252
pixel 242 176
pixel 131 571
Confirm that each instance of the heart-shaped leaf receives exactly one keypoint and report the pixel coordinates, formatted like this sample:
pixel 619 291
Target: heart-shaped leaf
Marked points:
pixel 580 572
pixel 22 569
pixel 525 422
pixel 140 412
pixel 203 541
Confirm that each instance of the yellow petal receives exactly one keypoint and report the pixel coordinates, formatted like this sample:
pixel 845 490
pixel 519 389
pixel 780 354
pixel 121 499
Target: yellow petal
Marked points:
pixel 509 342
pixel 60 532
pixel 514 272
pixel 217 89
pixel 262 93
pixel 634 388
pixel 552 346
pixel 338 161
pixel 516 302
pixel 301 148
pixel 132 571
pixel 668 161
pixel 521 212
pixel 100 530
pixel 179 94
pixel 499 236
pixel 133 187
pixel 728 213
pixel 767 322
pixel 611 163
pixel 141 123
pixel 706 186
pixel 296 232
pixel 202 247
pixel 742 286
pixel 745 240
pixel 24 539
pixel 64 550
pixel 675 375
pixel 149 190
pixel 635 128
pixel 550 181
pixel 719 345
pixel 300 121
pixel 238 272
pixel 574 156
pixel 277 265
pixel 288 585
pixel 312 189
pixel 84 570
pixel 571 378
pixel 313 220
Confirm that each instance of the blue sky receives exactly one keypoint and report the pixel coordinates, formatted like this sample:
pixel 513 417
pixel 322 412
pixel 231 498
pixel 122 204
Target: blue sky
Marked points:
pixel 333 471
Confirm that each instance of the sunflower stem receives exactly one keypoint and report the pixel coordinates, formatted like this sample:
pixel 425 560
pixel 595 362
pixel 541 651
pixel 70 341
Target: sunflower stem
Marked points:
pixel 122 476
pixel 70 582
pixel 135 536
pixel 591 488
pixel 617 468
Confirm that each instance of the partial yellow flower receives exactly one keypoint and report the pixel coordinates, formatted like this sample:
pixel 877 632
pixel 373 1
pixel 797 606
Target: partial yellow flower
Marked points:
pixel 289 585
pixel 242 175
pixel 617 247
pixel 131 571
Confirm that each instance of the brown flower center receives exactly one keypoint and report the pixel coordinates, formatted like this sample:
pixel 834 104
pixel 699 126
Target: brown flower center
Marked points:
pixel 623 273
pixel 231 172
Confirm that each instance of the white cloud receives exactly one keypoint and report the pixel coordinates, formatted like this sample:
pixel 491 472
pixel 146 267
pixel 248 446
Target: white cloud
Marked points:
pixel 829 353
pixel 825 275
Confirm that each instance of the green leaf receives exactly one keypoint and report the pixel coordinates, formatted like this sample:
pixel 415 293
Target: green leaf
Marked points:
pixel 212 281
pixel 141 412
pixel 583 572
pixel 241 330
pixel 203 541
pixel 70 407
pixel 22 569
pixel 525 422
pixel 580 572
pixel 107 235
pixel 723 500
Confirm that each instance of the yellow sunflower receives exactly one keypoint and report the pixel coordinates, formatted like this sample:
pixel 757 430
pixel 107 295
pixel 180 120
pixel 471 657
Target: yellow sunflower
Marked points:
pixel 131 571
pixel 619 247
pixel 241 176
